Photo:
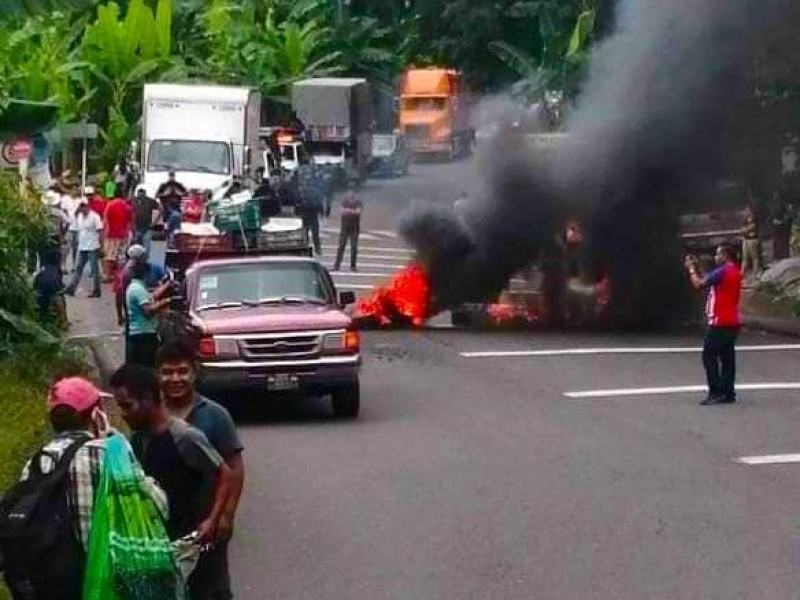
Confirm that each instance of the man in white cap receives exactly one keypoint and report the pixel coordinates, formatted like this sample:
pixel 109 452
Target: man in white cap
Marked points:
pixel 156 277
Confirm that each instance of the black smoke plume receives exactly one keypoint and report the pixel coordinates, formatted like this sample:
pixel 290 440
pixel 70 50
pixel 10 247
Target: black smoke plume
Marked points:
pixel 648 133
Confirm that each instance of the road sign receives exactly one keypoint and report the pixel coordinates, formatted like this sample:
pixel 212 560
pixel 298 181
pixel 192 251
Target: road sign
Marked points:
pixel 17 150
pixel 79 131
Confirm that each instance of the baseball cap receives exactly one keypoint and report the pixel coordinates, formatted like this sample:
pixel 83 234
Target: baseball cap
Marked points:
pixel 136 251
pixel 75 392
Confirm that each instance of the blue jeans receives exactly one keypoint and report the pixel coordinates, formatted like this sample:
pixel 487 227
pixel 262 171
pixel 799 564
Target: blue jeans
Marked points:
pixel 91 257
pixel 145 238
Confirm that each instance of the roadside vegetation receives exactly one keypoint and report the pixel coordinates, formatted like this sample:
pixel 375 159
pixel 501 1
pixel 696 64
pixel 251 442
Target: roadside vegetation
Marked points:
pixel 91 59
pixel 31 357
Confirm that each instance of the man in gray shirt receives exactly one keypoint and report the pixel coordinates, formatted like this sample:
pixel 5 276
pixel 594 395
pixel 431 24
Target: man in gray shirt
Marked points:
pixel 176 365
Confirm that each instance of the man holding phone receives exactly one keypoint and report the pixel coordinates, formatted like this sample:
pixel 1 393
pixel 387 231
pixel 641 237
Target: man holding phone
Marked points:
pixel 724 285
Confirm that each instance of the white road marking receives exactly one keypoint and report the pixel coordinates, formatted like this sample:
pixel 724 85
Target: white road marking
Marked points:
pixel 769 459
pixel 364 248
pixel 393 267
pixel 612 351
pixel 384 257
pixel 678 389
pixel 358 274
pixel 385 233
pixel 355 286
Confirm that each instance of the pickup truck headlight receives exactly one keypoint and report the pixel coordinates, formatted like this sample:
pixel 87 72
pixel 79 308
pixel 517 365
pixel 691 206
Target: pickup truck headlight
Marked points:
pixel 215 348
pixel 345 342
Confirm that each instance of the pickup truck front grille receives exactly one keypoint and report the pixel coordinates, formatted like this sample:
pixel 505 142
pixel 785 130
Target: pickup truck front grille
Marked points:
pixel 281 347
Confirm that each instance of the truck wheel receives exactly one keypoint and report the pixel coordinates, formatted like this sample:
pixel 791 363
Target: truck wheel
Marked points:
pixel 347 401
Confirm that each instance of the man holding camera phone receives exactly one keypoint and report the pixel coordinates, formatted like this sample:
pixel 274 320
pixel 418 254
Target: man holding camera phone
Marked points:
pixel 724 286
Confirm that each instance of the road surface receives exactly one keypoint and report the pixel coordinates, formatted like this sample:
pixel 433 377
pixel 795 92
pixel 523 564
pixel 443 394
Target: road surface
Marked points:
pixel 490 465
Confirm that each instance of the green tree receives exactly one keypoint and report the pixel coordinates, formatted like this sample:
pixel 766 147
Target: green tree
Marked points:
pixel 123 53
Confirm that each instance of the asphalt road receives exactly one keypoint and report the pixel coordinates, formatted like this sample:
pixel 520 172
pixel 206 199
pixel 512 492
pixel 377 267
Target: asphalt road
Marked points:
pixel 547 473
pixel 477 477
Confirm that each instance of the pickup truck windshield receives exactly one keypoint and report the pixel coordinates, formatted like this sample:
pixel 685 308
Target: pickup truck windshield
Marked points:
pixel 188 155
pixel 425 103
pixel 264 284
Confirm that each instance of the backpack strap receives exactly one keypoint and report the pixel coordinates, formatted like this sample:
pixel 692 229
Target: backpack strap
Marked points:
pixel 63 463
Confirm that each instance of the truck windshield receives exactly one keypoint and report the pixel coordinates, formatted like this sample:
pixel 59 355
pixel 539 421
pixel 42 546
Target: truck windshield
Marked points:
pixel 262 284
pixel 437 104
pixel 189 155
pixel 295 153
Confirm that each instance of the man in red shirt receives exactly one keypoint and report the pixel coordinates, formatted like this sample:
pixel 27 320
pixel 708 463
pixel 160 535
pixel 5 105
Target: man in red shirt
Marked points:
pixel 724 286
pixel 118 226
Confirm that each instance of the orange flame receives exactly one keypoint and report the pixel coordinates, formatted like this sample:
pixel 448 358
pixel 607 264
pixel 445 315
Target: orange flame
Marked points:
pixel 406 297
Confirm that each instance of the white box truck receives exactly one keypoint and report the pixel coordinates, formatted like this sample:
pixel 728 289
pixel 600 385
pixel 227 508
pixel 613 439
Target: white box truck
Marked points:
pixel 205 133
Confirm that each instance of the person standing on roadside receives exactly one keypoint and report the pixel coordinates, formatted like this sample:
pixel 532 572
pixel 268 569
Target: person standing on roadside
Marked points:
pixel 145 210
pixel 309 205
pixel 90 232
pixel 118 228
pixel 183 462
pixel 143 308
pixel 350 229
pixel 724 286
pixel 781 228
pixel 751 245
pixel 70 201
pixel 80 431
pixel 176 365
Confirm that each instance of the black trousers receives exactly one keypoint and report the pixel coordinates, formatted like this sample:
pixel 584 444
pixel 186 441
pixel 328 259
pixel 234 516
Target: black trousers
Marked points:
pixel 142 349
pixel 311 224
pixel 348 233
pixel 211 579
pixel 719 360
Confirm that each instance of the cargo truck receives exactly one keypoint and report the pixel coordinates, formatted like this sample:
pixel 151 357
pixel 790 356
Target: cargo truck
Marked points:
pixel 205 133
pixel 435 113
pixel 337 116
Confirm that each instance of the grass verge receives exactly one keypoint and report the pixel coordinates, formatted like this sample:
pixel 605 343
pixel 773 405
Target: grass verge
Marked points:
pixel 24 380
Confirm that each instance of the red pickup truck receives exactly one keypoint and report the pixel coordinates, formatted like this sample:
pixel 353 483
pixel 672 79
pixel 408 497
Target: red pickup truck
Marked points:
pixel 275 323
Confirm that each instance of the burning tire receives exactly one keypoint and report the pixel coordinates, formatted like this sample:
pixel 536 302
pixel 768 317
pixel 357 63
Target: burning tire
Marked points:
pixel 346 401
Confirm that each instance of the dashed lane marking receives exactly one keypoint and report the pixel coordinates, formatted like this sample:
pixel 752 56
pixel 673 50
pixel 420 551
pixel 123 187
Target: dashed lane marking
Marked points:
pixel 613 351
pixel 679 389
pixel 769 459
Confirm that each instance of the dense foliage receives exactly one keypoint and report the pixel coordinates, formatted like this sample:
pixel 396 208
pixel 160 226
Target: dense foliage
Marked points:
pixel 93 57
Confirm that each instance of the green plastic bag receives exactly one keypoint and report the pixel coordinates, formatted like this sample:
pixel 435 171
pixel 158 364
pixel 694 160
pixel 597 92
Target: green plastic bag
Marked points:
pixel 130 556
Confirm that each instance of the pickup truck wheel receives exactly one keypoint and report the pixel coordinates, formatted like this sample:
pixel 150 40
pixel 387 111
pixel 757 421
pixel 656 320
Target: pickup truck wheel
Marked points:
pixel 347 401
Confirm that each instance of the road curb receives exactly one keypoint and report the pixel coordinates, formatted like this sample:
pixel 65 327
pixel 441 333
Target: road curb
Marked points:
pixel 790 327
pixel 103 359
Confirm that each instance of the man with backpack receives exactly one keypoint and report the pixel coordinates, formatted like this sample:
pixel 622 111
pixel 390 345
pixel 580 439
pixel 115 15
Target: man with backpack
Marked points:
pixel 45 519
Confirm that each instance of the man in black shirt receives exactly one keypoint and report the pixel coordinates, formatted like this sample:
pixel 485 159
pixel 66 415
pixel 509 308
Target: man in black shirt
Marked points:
pixel 350 228
pixel 144 209
pixel 180 459
pixel 170 194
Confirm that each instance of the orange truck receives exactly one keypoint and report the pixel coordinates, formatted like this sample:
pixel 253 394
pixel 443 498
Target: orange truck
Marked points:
pixel 434 113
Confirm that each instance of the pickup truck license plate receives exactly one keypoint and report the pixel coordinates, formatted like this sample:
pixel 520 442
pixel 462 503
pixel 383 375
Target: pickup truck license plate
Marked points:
pixel 282 382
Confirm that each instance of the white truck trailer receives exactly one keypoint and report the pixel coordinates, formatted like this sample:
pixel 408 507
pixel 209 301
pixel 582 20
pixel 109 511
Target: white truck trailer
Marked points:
pixel 205 133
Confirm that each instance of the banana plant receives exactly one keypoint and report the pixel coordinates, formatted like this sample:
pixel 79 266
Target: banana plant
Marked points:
pixel 123 53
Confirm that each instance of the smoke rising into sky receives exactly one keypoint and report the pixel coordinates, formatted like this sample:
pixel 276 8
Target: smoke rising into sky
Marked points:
pixel 647 133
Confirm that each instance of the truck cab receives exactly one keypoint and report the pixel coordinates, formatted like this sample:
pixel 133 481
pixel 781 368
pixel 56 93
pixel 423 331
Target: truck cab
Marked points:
pixel 205 133
pixel 275 324
pixel 434 113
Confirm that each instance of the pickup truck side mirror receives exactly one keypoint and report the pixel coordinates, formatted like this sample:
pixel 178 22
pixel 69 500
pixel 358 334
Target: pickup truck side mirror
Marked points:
pixel 347 298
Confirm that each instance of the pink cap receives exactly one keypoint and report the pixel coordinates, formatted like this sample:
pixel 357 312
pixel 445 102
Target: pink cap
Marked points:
pixel 75 392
